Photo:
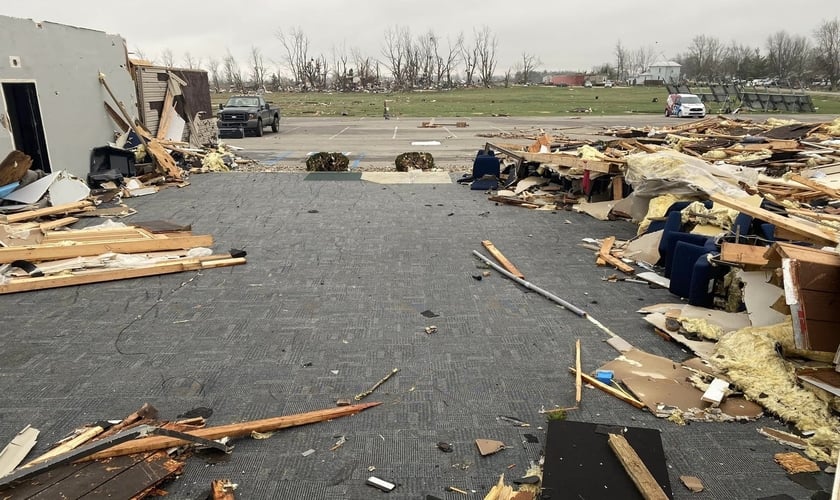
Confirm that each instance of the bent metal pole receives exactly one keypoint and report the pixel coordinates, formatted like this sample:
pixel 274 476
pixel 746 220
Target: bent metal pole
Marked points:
pixel 550 296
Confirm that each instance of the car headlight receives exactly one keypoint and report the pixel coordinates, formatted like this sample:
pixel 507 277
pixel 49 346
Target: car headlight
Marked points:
pixel 251 116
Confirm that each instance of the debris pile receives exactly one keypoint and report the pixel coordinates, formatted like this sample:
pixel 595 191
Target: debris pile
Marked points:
pixel 133 457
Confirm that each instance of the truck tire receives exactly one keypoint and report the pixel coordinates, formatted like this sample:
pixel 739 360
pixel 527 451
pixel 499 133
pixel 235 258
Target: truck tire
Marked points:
pixel 275 124
pixel 259 128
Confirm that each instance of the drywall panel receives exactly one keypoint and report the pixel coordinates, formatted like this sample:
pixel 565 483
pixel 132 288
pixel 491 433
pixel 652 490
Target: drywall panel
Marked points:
pixel 64 63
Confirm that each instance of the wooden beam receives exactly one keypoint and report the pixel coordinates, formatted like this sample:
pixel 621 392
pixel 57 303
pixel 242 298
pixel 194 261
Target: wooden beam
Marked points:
pixel 609 390
pixel 816 186
pixel 737 253
pixel 100 276
pixel 232 430
pixel 41 212
pixel 605 255
pixel 165 114
pixel 801 228
pixel 635 468
pixel 49 226
pixel 163 159
pixel 66 446
pixel 37 253
pixel 222 489
pixel 126 116
pixel 502 259
pixel 578 378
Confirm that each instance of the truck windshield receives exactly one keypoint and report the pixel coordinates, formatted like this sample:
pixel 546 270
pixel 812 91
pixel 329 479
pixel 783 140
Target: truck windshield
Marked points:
pixel 690 99
pixel 242 101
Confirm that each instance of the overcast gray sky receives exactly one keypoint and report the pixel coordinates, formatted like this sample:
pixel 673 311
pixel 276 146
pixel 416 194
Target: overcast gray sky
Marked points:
pixel 563 35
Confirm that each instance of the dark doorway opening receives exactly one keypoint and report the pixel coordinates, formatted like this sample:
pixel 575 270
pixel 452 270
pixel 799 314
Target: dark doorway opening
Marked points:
pixel 24 114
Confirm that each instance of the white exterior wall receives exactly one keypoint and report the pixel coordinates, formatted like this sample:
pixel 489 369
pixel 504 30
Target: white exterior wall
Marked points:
pixel 668 74
pixel 64 63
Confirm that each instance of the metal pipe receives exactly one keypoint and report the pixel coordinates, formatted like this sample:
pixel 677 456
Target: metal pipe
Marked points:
pixel 550 296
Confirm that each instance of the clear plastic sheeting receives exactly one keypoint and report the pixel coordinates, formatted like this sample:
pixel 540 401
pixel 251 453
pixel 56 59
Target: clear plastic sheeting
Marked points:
pixel 671 172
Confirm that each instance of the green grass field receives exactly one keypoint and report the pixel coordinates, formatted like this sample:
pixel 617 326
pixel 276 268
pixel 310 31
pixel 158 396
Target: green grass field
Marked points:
pixel 466 103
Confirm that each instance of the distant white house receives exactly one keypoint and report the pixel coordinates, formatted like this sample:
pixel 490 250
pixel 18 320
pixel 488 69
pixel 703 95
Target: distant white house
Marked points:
pixel 666 71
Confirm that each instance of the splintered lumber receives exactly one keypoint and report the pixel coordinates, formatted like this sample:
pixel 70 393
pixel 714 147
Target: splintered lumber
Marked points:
pixel 816 186
pixel 738 253
pixel 578 378
pixel 222 489
pixel 502 259
pixel 808 231
pixel 609 390
pixel 38 253
pixel 232 430
pixel 100 276
pixel 635 468
pixel 126 116
pixel 381 381
pixel 41 212
pixel 72 444
pixel 163 159
pixel 604 254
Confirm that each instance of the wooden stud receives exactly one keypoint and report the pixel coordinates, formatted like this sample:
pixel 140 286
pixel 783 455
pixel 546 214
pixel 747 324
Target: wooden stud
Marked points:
pixel 636 469
pixel 502 259
pixel 41 212
pixel 609 390
pixel 232 430
pixel 37 253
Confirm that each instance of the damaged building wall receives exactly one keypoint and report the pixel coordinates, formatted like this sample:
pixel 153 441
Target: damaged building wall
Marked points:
pixel 151 83
pixel 51 101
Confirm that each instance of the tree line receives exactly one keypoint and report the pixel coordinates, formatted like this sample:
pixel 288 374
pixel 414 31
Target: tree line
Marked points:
pixel 426 60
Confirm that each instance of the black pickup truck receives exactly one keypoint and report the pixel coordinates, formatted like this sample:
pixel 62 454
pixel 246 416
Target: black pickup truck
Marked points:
pixel 241 114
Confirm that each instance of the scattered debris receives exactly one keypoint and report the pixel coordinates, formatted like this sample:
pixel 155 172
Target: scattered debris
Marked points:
pixel 380 483
pixel 338 444
pixel 431 329
pixel 489 446
pixel 794 463
pixel 692 483
pixel 368 392
pixel 445 447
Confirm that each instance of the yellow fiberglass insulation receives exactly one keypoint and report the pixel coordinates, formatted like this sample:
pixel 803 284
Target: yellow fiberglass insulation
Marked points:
pixel 749 359
pixel 778 122
pixel 214 162
pixel 834 128
pixel 715 154
pixel 589 153
pixel 718 215
pixel 701 328
pixel 657 208
pixel 754 156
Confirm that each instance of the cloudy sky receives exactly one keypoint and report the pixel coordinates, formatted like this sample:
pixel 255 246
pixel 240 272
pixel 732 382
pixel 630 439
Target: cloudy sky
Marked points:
pixel 563 35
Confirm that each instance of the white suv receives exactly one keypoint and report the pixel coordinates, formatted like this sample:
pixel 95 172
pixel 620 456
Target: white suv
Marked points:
pixel 685 105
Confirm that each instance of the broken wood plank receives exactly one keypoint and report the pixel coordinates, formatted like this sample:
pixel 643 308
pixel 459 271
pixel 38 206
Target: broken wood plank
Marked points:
pixel 41 212
pixel 604 254
pixel 578 378
pixel 163 159
pixel 808 231
pixel 609 390
pixel 222 489
pixel 65 221
pixel 17 449
pixel 605 248
pixel 738 253
pixel 37 253
pixel 232 430
pixel 100 276
pixel 636 469
pixel 816 186
pixel 571 161
pixel 502 259
pixel 69 445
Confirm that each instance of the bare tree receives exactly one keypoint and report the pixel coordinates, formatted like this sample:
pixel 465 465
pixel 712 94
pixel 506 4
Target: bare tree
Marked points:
pixel 141 55
pixel 257 69
pixel 785 54
pixel 508 77
pixel 486 45
pixel 644 57
pixel 232 72
pixel 529 63
pixel 296 45
pixel 621 61
pixel 215 75
pixel 704 57
pixel 168 58
pixel 342 73
pixel 469 56
pixel 427 59
pixel 395 53
pixel 365 70
pixel 190 62
pixel 742 62
pixel 452 57
pixel 827 38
